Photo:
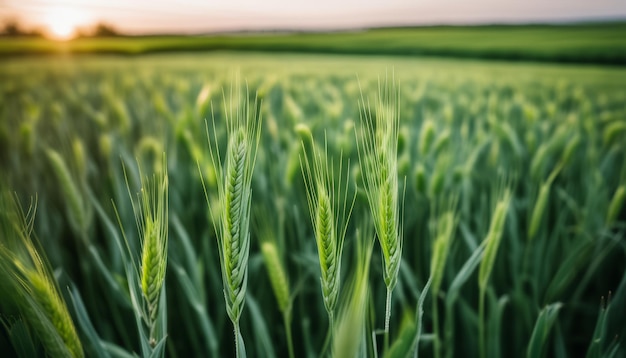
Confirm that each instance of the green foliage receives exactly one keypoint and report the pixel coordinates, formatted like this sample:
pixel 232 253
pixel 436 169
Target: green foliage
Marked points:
pixel 493 239
pixel 599 43
pixel 75 142
pixel 602 344
pixel 616 204
pixel 544 323
pixel 29 285
pixel 77 208
pixel 349 339
pixel 444 234
pixel 277 275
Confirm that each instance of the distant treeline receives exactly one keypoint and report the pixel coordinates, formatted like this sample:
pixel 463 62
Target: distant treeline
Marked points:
pixel 12 28
pixel 602 43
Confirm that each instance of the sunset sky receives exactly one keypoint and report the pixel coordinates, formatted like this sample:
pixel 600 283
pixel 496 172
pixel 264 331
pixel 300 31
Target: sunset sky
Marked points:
pixel 195 16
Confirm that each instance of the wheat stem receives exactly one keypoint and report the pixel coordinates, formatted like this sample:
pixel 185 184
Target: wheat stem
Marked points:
pixel 237 334
pixel 329 335
pixel 387 318
pixel 287 321
pixel 481 325
pixel 436 339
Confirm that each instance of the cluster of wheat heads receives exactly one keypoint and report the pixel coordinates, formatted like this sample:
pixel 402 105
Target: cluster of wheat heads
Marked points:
pixel 438 169
pixel 28 284
pixel 377 144
pixel 232 224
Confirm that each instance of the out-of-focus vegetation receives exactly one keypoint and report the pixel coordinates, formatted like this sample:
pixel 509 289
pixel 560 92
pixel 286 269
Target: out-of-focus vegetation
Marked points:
pixel 510 176
pixel 603 43
pixel 12 29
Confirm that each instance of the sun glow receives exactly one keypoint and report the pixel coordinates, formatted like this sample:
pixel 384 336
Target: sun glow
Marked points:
pixel 62 23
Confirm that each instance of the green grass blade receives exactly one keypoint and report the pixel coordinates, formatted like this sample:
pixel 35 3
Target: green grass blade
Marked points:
pixel 539 337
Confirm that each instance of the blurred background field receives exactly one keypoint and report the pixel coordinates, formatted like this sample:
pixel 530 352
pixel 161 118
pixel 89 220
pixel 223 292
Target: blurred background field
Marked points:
pixel 488 118
pixel 601 43
pixel 538 109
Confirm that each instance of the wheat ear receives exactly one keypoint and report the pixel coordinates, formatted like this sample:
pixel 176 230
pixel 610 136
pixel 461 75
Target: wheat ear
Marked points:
pixel 152 220
pixel 27 280
pixel 377 148
pixel 493 238
pixel 443 232
pixel 235 195
pixel 330 213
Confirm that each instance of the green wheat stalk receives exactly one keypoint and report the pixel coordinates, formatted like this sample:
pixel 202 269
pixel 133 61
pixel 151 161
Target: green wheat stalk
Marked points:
pixel 330 214
pixel 243 125
pixel 78 209
pixel 152 221
pixel 493 239
pixel 280 286
pixel 541 203
pixel 151 211
pixel 28 283
pixel 445 226
pixel 378 147
pixel 271 238
pixel 350 338
pixel 616 204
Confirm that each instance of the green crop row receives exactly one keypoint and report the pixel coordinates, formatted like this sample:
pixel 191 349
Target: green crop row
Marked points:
pixel 594 43
pixel 461 208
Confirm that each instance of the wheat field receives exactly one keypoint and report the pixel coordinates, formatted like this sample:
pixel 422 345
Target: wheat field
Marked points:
pixel 262 205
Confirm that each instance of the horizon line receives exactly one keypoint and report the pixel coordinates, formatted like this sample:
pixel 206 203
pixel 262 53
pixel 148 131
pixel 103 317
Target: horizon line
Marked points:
pixel 606 20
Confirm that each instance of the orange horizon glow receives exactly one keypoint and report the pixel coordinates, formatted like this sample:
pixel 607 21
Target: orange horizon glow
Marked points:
pixel 62 23
pixel 61 19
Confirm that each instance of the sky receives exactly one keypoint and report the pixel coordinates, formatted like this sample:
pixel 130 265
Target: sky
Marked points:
pixel 196 16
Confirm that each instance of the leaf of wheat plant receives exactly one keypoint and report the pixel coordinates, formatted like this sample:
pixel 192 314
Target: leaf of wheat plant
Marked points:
pixel 330 209
pixel 442 230
pixel 377 144
pixel 232 222
pixel 27 282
